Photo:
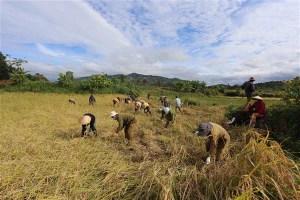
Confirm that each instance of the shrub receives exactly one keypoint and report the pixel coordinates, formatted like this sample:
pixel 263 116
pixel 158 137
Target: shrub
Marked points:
pixel 292 89
pixel 285 126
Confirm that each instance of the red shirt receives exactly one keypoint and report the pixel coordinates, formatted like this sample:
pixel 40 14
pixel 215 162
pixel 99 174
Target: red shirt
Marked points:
pixel 260 107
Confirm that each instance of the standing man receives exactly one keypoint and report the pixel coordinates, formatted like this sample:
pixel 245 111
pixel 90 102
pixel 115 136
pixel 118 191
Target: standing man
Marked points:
pixel 148 95
pixel 249 88
pixel 177 104
pixel 166 102
pixel 217 140
pixel 92 100
pixel 85 120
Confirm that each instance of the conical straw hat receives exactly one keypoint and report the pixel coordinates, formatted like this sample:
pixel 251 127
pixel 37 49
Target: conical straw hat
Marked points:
pixel 84 120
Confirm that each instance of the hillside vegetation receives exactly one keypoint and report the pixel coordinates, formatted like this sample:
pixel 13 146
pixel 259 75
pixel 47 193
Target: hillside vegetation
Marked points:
pixel 42 155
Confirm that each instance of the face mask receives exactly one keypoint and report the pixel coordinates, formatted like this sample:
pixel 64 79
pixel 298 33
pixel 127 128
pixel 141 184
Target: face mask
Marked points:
pixel 255 100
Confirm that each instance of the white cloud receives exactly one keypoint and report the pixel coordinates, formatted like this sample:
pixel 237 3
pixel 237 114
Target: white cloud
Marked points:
pixel 214 41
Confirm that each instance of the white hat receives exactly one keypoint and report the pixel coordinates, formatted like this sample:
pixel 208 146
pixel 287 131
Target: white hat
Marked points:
pixel 257 97
pixel 166 110
pixel 85 120
pixel 113 113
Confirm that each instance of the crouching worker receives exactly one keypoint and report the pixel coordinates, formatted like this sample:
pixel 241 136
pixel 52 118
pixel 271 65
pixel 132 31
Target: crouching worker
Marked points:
pixel 217 140
pixel 126 121
pixel 72 101
pixel 146 108
pixel 168 114
pixel 258 110
pixel 137 106
pixel 116 101
pixel 85 120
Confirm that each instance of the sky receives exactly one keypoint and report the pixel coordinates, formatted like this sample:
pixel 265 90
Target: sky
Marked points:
pixel 215 41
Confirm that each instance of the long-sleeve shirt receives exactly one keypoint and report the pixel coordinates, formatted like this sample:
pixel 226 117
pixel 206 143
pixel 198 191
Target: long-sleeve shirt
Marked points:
pixel 166 103
pixel 259 107
pixel 249 88
pixel 217 133
pixel 124 120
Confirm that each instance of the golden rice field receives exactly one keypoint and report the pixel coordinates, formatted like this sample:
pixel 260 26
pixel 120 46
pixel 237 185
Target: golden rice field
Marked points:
pixel 42 155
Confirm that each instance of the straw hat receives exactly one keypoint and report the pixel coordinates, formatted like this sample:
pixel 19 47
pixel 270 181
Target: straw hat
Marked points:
pixel 113 113
pixel 85 120
pixel 257 97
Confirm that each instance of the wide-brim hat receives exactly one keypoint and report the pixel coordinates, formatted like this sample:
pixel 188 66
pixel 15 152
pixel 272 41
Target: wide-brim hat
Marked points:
pixel 257 97
pixel 251 79
pixel 84 120
pixel 204 129
pixel 113 113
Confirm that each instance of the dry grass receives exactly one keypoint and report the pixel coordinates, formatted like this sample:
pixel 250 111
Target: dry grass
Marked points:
pixel 43 156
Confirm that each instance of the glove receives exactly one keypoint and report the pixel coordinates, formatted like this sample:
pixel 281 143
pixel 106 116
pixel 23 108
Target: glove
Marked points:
pixel 196 133
pixel 207 160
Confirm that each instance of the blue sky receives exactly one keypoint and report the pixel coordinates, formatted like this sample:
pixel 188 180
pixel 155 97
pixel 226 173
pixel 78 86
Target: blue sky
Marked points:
pixel 216 41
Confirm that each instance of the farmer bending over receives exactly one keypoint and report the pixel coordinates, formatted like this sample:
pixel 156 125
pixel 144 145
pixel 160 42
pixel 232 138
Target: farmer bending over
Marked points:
pixel 168 114
pixel 146 108
pixel 125 120
pixel 85 120
pixel 217 139
pixel 72 101
pixel 115 101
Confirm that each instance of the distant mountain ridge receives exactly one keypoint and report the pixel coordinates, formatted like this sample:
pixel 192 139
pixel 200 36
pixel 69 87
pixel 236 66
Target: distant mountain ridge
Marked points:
pixel 145 80
pixel 159 81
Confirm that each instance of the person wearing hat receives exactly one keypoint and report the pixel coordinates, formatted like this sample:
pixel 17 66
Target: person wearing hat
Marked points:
pixel 166 102
pixel 146 108
pixel 258 110
pixel 88 119
pixel 217 140
pixel 249 88
pixel 92 100
pixel 168 114
pixel 177 104
pixel 72 101
pixel 126 121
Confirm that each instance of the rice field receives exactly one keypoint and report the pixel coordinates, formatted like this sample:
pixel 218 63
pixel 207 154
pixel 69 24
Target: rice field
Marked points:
pixel 43 156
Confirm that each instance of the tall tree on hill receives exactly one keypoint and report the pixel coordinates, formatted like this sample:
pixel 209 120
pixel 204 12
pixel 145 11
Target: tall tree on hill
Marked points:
pixel 66 79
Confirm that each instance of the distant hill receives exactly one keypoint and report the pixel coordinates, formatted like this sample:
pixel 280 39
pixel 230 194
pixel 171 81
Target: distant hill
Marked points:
pixel 159 81
pixel 145 80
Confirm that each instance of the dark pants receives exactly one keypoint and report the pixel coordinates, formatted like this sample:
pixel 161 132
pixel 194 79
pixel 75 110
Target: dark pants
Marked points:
pixel 92 128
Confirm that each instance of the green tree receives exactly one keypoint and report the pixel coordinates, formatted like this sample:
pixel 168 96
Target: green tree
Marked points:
pixel 178 85
pixel 19 75
pixel 10 66
pixel 66 79
pixel 292 91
